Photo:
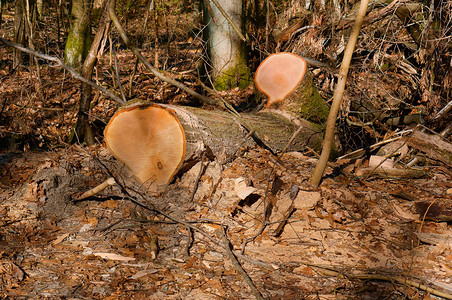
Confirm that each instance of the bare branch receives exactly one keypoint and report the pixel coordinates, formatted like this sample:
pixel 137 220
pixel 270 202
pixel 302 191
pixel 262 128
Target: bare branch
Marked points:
pixel 60 63
pixel 154 71
pixel 237 266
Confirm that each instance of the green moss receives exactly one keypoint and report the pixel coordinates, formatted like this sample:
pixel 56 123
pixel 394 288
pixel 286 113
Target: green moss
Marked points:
pixel 76 49
pixel 79 39
pixel 308 104
pixel 238 76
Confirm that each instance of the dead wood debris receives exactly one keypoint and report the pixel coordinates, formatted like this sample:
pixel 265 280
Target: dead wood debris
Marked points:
pixel 402 280
pixel 237 265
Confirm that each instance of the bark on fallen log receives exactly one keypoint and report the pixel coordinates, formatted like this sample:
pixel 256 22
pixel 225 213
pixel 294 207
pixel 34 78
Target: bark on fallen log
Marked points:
pixel 440 211
pixel 393 173
pixel 157 141
pixel 432 145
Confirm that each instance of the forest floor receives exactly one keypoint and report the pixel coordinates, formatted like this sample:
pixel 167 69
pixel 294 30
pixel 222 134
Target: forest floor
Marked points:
pixel 52 246
pixel 353 238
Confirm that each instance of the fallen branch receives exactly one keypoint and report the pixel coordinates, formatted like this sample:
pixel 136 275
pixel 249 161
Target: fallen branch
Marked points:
pixel 432 145
pixel 237 266
pixel 60 63
pixel 189 242
pixel 109 182
pixel 187 224
pixel 443 111
pixel 365 276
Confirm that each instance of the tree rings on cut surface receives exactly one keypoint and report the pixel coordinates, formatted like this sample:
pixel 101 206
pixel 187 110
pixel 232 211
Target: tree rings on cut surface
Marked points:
pixel 150 141
pixel 279 75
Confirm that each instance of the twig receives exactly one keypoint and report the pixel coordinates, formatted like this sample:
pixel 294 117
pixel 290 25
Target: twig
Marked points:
pixel 237 265
pixel 60 63
pixel 423 219
pixel 264 223
pixel 154 71
pixel 189 241
pixel 443 111
pixel 198 177
pixel 109 226
pixel 387 156
pixel 117 74
pixel 209 9
pixel 187 224
pixel 132 76
pixel 109 182
pixel 360 152
pixel 343 206
pixel 376 15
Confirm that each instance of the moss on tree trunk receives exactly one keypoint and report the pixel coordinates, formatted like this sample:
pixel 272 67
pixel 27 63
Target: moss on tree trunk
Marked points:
pixel 226 52
pixel 79 39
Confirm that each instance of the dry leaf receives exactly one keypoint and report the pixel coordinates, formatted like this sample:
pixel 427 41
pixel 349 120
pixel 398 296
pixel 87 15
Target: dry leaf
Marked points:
pixel 241 189
pixel 143 273
pixel 306 200
pixel 381 162
pixel 59 239
pixel 113 256
pixel 404 214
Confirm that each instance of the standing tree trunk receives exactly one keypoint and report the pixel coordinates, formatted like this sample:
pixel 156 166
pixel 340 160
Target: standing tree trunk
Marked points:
pixel 1 12
pixel 227 56
pixel 83 130
pixel 39 4
pixel 78 40
pixel 19 31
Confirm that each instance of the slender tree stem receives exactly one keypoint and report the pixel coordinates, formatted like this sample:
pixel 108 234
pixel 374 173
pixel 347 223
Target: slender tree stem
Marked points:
pixel 337 98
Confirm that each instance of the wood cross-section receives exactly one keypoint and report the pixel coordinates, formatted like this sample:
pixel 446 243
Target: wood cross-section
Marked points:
pixel 150 141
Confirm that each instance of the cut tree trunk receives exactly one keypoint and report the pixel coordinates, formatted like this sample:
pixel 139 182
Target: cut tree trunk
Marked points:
pixel 284 79
pixel 226 53
pixel 157 141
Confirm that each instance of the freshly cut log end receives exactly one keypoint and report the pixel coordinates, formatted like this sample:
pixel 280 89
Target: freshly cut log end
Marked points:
pixel 150 141
pixel 279 75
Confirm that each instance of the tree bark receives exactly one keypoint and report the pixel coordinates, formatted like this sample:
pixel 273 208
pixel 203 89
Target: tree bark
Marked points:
pixel 219 135
pixel 83 130
pixel 1 13
pixel 226 53
pixel 39 4
pixel 157 141
pixel 19 31
pixel 78 40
